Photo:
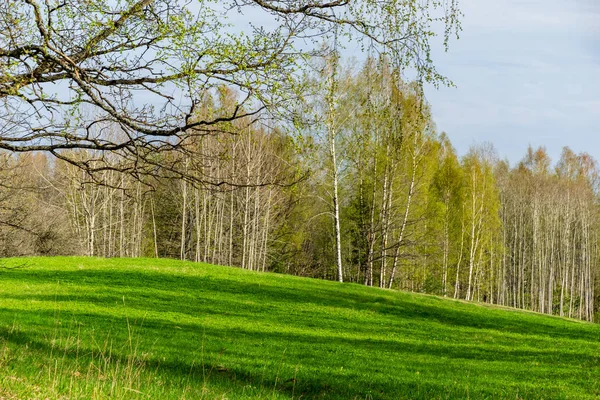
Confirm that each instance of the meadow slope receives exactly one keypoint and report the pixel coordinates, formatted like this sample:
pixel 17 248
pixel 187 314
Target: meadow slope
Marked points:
pixel 144 328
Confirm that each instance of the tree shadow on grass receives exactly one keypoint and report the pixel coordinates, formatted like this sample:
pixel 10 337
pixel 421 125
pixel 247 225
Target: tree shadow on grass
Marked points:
pixel 334 326
pixel 266 291
pixel 244 357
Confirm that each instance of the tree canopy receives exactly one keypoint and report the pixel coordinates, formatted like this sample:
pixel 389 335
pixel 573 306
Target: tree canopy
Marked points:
pixel 128 76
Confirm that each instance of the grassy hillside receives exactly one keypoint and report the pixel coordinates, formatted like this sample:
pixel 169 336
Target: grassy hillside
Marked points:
pixel 143 328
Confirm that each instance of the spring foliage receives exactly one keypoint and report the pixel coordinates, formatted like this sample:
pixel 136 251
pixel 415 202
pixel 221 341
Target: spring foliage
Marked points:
pixel 413 214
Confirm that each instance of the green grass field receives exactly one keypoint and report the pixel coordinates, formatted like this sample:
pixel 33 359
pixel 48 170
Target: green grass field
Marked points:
pixel 143 328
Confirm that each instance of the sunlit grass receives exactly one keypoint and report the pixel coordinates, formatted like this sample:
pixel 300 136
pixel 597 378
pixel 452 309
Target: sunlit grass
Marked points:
pixel 144 328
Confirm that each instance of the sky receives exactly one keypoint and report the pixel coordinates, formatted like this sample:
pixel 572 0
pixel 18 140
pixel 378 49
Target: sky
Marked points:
pixel 527 73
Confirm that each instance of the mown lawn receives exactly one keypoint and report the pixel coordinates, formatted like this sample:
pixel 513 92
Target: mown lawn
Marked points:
pixel 144 328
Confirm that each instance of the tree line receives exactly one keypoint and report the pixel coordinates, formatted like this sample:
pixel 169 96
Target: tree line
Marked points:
pixel 358 186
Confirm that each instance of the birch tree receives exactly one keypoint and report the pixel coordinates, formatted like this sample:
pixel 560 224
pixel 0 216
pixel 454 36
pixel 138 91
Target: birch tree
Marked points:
pixel 59 57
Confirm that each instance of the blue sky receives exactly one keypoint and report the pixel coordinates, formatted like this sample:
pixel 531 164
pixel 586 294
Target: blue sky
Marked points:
pixel 527 73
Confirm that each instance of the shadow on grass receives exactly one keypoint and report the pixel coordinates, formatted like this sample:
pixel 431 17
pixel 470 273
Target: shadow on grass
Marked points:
pixel 295 363
pixel 160 290
pixel 337 348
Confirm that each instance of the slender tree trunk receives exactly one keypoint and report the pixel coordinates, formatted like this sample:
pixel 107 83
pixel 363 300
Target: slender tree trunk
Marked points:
pixel 331 138
pixel 183 221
